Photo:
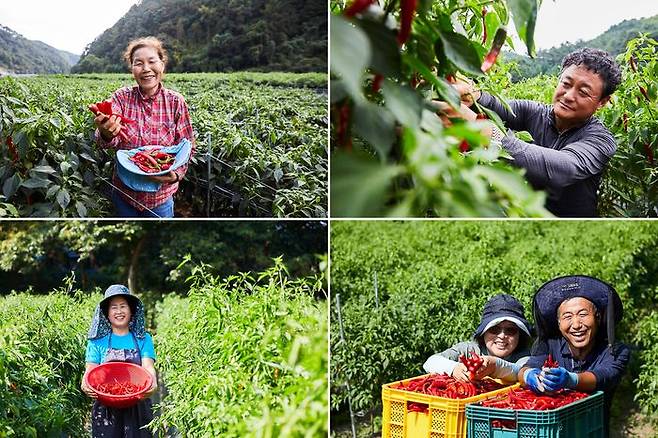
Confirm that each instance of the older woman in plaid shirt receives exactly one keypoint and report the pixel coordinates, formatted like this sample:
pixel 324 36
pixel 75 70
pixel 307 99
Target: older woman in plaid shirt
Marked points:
pixel 162 118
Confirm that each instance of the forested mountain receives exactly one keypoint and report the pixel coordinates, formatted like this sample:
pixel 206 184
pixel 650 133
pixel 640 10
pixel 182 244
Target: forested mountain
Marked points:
pixel 20 55
pixel 613 40
pixel 220 35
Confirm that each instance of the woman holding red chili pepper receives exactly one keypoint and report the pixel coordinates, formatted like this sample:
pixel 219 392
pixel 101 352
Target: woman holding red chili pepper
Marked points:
pixel 502 340
pixel 142 115
pixel 576 317
pixel 117 334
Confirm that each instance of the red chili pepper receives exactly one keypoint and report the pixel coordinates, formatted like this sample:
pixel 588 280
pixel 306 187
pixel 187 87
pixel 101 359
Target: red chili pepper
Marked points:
pixel 105 107
pixel 499 40
pixel 407 9
pixel 464 146
pixel 644 93
pixel 442 385
pixel 152 161
pixel 12 149
pixel 484 25
pixel 625 122
pixel 550 363
pixel 649 152
pixel 451 79
pixel 527 399
pixel 377 82
pixel 633 65
pixel 473 361
pixel 356 7
pixel 342 130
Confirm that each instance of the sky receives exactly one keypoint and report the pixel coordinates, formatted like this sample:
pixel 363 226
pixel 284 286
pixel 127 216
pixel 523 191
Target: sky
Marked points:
pixel 65 24
pixel 560 21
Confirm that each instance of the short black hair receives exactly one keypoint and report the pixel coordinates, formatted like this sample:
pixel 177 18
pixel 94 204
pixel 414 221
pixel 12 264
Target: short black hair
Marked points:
pixel 599 62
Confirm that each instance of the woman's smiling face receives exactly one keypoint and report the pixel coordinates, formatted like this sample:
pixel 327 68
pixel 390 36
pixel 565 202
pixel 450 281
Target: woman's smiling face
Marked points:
pixel 502 339
pixel 118 312
pixel 147 68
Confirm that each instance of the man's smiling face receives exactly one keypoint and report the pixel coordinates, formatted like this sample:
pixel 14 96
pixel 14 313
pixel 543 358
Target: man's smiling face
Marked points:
pixel 578 95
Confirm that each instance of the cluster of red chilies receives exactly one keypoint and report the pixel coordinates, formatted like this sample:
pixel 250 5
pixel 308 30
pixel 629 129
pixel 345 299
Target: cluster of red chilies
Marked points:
pixel 443 385
pixel 472 363
pixel 105 107
pixel 152 160
pixel 528 400
pixel 119 388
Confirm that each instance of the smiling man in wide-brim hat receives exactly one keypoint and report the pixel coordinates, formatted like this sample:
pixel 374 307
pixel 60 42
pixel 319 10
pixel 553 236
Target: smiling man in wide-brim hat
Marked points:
pixel 575 318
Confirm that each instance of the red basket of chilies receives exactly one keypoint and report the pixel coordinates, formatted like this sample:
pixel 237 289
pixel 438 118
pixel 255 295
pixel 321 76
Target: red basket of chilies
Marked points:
pixel 119 384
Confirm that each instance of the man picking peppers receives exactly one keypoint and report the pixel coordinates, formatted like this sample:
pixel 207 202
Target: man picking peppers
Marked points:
pixel 570 147
pixel 575 318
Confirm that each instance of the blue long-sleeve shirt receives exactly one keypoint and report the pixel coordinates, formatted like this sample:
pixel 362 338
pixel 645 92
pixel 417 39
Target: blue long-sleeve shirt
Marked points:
pixel 567 165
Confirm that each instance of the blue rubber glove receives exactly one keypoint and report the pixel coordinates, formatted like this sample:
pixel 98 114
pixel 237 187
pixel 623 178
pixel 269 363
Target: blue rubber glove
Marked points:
pixel 559 378
pixel 531 379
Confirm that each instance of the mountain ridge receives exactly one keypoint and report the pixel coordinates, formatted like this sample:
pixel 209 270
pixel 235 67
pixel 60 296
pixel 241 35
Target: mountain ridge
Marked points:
pixel 19 55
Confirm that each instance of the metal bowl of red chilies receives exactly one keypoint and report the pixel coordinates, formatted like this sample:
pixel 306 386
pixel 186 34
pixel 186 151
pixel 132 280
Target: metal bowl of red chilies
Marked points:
pixel 119 384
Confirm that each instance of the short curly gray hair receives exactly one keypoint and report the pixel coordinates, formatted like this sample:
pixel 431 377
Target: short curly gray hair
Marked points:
pixel 599 62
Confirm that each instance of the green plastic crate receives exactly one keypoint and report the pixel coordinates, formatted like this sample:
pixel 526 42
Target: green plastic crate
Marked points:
pixel 580 419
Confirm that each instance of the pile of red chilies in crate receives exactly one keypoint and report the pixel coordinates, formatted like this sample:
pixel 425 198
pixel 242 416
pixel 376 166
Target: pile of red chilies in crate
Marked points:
pixel 529 400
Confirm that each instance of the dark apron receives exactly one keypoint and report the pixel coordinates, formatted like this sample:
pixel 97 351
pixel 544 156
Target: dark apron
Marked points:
pixel 122 423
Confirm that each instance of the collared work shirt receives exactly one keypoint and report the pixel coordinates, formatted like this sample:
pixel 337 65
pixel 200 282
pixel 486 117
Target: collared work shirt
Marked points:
pixel 162 119
pixel 607 368
pixel 567 165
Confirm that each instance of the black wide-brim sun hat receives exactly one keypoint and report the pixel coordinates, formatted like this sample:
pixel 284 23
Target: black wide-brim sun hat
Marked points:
pixel 551 294
pixel 503 307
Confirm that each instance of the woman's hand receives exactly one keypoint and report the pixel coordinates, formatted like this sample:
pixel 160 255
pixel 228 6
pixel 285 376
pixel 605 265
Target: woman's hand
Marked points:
pixel 88 390
pixel 167 178
pixel 487 368
pixel 446 111
pixel 460 372
pixel 109 127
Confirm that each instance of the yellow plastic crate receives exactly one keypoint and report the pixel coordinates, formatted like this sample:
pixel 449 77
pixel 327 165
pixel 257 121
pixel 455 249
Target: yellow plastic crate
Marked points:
pixel 445 418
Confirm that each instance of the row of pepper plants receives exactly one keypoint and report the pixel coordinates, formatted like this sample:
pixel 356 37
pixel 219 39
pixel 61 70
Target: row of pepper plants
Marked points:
pixel 411 289
pixel 391 155
pixel 266 133
pixel 245 356
pixel 42 360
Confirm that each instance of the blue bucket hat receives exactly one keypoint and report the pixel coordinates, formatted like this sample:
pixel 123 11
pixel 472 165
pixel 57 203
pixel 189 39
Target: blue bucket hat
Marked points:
pixel 503 307
pixel 552 293
pixel 100 325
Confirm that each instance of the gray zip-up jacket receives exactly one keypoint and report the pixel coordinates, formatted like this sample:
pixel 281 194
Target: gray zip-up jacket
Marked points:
pixel 567 165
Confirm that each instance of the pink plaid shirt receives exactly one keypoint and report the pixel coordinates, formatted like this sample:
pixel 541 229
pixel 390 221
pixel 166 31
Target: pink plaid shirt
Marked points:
pixel 161 119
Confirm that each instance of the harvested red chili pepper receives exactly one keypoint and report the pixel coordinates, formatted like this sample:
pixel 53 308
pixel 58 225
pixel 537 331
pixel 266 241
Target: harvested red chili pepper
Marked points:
pixel 526 399
pixel 119 388
pixel 473 361
pixel 550 363
pixel 153 160
pixel 105 107
pixel 499 40
pixel 407 10
pixel 357 7
pixel 443 385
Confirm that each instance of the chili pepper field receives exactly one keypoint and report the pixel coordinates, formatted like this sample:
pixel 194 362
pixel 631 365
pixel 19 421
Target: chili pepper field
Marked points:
pixel 240 356
pixel 410 289
pixel 260 145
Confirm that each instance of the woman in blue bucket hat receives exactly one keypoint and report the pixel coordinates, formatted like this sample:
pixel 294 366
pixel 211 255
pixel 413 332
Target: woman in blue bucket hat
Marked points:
pixel 502 339
pixel 118 334
pixel 575 317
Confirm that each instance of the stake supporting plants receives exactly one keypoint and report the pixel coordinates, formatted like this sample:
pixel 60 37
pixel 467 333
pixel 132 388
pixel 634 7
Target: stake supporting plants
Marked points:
pixel 347 383
pixel 374 276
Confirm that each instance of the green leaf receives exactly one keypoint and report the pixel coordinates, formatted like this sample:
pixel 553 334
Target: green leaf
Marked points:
pixel 87 157
pixel 403 102
pixel 350 53
pixel 385 54
pixel 459 50
pixel 35 183
pixel 63 198
pixel 44 169
pixel 80 207
pixel 278 174
pixel 11 185
pixel 524 13
pixel 376 125
pixel 443 88
pixel 55 122
pixel 359 185
pixel 52 190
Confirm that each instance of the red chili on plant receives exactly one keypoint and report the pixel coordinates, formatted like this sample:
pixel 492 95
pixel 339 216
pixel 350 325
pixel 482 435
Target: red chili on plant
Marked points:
pixel 484 24
pixel 357 7
pixel 12 149
pixel 407 10
pixel 649 152
pixel 499 40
